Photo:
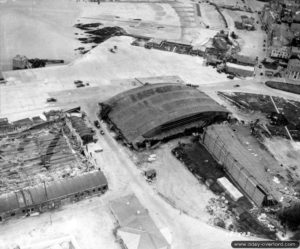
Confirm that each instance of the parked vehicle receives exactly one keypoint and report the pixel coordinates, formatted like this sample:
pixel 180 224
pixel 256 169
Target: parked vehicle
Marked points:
pixel 102 132
pixel 97 124
pixel 98 150
pixel 80 85
pixel 51 100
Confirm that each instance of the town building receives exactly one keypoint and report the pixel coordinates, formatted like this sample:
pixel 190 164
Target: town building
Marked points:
pixel 245 23
pixel 295 28
pixel 268 18
pixel 293 69
pixel 213 60
pixel 280 36
pixel 243 60
pixel 295 52
pixel 283 52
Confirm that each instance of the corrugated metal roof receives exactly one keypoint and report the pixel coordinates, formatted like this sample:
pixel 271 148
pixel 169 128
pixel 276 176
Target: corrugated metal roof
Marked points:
pixel 254 162
pixel 75 185
pixel 8 202
pixel 140 110
pixel 53 190
pixel 80 126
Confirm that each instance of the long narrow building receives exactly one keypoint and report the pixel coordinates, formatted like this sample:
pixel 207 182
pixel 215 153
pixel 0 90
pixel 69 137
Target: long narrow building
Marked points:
pixel 45 196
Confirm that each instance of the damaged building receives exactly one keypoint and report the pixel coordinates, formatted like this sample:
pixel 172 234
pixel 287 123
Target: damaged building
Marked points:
pixel 147 115
pixel 85 133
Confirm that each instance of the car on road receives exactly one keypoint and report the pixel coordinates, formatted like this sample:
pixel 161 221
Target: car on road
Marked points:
pixel 102 132
pixel 237 85
pixel 97 124
pixel 260 66
pixel 51 100
pixel 230 76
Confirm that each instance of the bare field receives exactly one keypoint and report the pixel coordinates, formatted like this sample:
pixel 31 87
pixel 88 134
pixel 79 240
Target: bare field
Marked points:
pixel 211 17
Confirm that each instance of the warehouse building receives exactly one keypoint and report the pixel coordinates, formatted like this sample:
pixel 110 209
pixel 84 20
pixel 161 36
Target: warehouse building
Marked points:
pixel 136 229
pixel 85 133
pixel 247 164
pixel 45 196
pixel 239 70
pixel 243 60
pixel 146 115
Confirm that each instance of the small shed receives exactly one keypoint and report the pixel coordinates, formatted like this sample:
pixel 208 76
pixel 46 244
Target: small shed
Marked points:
pixel 229 188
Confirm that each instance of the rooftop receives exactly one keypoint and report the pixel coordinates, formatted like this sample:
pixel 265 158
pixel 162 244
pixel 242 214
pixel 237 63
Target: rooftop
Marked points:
pixel 150 110
pixel 137 229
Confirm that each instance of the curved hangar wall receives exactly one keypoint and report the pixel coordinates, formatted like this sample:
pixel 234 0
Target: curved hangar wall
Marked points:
pixel 155 112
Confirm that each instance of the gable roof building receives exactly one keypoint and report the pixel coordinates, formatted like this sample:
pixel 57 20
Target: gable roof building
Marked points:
pixel 137 230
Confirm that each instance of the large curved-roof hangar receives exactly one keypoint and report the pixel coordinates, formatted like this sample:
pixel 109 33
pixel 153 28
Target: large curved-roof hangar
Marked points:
pixel 156 112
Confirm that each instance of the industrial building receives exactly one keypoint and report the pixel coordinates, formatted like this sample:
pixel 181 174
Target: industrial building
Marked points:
pixel 253 169
pixel 85 133
pixel 239 70
pixel 34 150
pixel 146 115
pixel 45 196
pixel 243 60
pixel 136 229
pixel 180 48
pixel 245 23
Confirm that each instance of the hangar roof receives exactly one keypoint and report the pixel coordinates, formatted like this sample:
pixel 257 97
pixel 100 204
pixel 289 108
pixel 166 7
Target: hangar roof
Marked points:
pixel 140 110
pixel 50 191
